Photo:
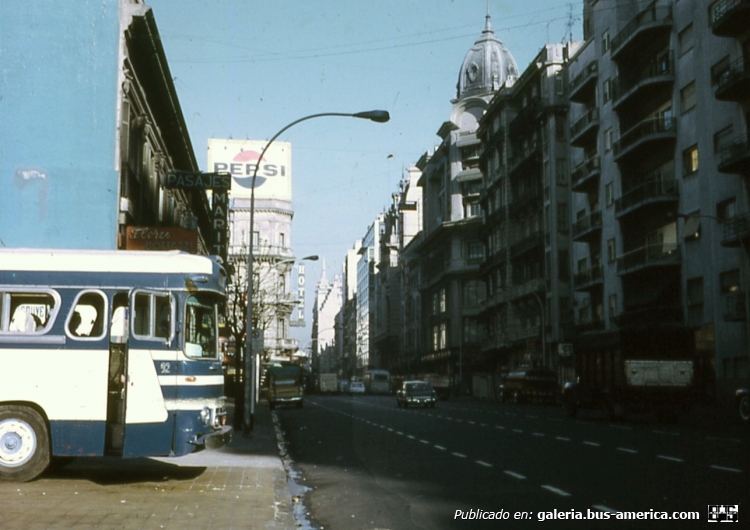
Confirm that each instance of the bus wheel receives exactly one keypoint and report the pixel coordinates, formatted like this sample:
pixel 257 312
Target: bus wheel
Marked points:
pixel 24 444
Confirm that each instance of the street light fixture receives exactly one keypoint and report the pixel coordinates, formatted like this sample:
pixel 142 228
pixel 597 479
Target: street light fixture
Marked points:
pixel 248 364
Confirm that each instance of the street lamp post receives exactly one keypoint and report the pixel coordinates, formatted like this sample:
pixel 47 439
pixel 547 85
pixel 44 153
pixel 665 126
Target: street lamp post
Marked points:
pixel 248 363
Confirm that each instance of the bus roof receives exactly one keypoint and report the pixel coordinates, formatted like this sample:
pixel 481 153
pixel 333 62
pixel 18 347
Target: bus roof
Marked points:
pixel 67 260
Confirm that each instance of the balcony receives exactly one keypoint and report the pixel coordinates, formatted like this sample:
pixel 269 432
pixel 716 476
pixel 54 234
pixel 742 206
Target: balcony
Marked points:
pixel 585 176
pixel 587 279
pixel 735 307
pixel 648 257
pixel 734 85
pixel 590 325
pixel 583 132
pixel 651 192
pixel 735 157
pixel 583 86
pixel 526 155
pixel 588 227
pixel 525 117
pixel 730 18
pixel 650 134
pixel 648 25
pixel 526 244
pixel 653 78
pixel 736 231
pixel 529 199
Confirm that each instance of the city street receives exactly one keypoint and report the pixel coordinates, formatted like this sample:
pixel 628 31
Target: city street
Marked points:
pixel 373 465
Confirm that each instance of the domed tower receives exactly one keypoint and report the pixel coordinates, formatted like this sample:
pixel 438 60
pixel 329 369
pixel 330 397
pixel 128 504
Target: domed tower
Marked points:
pixel 486 67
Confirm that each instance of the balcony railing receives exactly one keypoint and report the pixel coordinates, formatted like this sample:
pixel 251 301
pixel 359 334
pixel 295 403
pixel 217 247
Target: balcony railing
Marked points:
pixel 588 277
pixel 652 129
pixel 654 73
pixel 734 85
pixel 736 231
pixel 588 224
pixel 666 254
pixel 584 127
pixel 582 86
pixel 651 191
pixel 645 22
pixel 730 18
pixel 735 156
pixel 735 307
pixel 584 173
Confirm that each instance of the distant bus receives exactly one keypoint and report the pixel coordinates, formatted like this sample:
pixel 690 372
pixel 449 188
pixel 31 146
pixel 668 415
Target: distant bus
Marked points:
pixel 108 353
pixel 377 382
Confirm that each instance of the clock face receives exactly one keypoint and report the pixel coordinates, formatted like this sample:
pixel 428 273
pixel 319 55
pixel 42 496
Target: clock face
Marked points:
pixel 472 72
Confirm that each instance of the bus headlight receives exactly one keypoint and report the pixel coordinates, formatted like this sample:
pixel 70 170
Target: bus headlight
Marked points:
pixel 205 416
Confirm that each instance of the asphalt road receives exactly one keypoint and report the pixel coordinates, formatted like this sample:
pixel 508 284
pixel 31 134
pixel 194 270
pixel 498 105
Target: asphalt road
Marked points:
pixel 372 465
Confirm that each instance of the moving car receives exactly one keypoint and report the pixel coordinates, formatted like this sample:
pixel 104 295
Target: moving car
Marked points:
pixel 742 400
pixel 416 393
pixel 357 387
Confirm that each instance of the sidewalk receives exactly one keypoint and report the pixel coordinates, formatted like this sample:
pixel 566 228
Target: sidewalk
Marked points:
pixel 241 486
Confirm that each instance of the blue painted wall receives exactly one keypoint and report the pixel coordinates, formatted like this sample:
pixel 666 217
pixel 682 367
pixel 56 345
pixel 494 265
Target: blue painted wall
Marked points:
pixel 58 96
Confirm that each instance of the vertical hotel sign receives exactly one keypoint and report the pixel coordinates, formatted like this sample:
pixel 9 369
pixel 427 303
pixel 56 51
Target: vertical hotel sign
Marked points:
pixel 240 158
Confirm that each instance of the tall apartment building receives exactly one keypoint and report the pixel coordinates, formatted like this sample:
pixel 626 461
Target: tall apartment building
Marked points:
pixel 326 346
pixel 369 257
pixel 450 249
pixel 659 136
pixel 526 231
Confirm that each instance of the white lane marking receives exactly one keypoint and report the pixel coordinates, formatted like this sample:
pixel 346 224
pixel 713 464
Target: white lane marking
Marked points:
pixel 723 468
pixel 459 455
pixel 410 436
pixel 626 450
pixel 424 442
pixel 514 475
pixel 670 458
pixel 400 433
pixel 517 430
pixel 603 508
pixel 556 490
pixel 718 439
pixel 592 444
pixel 656 431
pixel 483 463
pixel 499 427
pixel 440 447
pixel 471 422
pixel 562 438
pixel 537 434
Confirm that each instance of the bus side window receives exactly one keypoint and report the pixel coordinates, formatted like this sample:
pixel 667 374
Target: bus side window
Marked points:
pixel 89 315
pixel 29 311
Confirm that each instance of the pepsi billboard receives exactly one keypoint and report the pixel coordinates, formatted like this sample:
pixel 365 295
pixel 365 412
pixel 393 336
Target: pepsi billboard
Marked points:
pixel 240 158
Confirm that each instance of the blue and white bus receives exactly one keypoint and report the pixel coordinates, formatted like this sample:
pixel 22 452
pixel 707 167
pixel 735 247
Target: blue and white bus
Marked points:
pixel 108 353
pixel 377 381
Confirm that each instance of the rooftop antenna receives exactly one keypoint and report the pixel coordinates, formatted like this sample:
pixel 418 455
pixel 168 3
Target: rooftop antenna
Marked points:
pixel 569 25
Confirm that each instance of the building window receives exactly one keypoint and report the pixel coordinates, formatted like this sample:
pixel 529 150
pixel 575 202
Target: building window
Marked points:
pixel 442 301
pixel 729 281
pixel 282 240
pixel 691 231
pixel 612 305
pixel 695 300
pixel 690 160
pixel 474 251
pixel 687 97
pixel 609 193
pixel 611 250
pixel 607 90
pixel 256 239
pixel 608 140
pixel 686 39
pixel 722 139
pixel 605 42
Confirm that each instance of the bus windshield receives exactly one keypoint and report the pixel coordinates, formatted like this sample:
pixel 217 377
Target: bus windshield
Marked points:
pixel 200 327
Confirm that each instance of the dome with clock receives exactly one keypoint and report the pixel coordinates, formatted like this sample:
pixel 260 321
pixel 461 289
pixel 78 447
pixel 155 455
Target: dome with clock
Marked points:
pixel 486 67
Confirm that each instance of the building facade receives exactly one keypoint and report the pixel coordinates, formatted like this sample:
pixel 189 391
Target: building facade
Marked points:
pixel 89 134
pixel 659 125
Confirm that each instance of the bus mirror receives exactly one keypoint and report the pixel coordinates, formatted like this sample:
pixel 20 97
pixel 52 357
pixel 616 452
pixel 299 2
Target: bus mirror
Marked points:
pixel 119 327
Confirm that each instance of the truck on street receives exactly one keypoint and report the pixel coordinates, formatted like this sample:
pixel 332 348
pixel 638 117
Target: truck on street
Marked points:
pixel 328 383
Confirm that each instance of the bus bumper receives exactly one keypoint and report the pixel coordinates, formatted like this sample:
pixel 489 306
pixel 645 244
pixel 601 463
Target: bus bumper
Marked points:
pixel 216 439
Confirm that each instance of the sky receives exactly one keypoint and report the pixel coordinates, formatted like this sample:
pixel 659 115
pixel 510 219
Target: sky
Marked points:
pixel 244 69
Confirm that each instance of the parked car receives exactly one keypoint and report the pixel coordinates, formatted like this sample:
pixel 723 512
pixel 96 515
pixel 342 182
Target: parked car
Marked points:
pixel 533 385
pixel 356 387
pixel 742 400
pixel 416 393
